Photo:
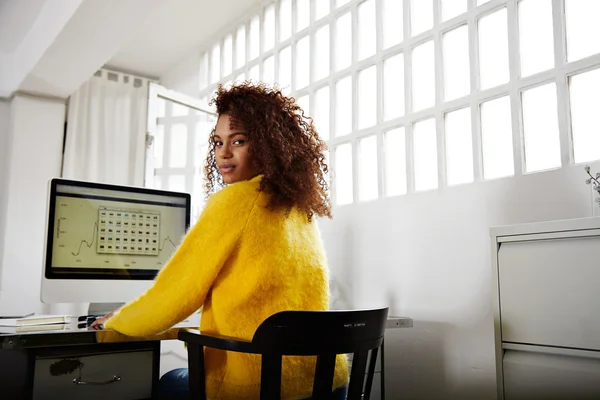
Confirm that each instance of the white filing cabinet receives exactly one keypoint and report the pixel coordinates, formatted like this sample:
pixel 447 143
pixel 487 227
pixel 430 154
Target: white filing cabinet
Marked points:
pixel 547 309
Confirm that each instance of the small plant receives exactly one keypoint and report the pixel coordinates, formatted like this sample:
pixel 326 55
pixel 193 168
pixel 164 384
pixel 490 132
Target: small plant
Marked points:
pixel 595 181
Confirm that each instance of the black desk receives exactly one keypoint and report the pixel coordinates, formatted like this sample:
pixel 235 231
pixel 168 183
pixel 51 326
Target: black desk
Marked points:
pixel 76 362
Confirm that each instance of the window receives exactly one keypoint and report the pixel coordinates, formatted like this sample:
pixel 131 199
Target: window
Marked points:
pixel 585 126
pixel 367 97
pixel 343 112
pixel 459 147
pixel 435 88
pixel 496 135
pixel 269 28
pixel 343 37
pixel 343 174
pixel 322 111
pixel 302 62
pixel 582 28
pixel 394 149
pixel 322 53
pixel 423 76
pixel 368 185
pixel 393 24
pixel 421 16
pixel 285 19
pixel 493 50
pixel 457 77
pixel 540 128
pixel 536 36
pixel 425 155
pixel 393 87
pixel 366 29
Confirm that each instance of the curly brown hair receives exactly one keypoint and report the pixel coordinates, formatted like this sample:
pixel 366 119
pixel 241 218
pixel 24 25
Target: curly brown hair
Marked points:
pixel 284 146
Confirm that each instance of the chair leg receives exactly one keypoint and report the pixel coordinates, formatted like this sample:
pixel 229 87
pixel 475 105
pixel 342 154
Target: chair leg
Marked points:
pixel 270 377
pixel 196 371
pixel 370 373
pixel 382 370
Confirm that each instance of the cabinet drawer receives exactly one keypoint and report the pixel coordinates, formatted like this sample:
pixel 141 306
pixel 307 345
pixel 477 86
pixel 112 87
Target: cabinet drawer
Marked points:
pixel 549 293
pixel 532 376
pixel 119 375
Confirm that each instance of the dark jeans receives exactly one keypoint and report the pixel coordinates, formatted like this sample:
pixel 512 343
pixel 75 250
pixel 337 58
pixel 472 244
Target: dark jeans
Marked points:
pixel 175 385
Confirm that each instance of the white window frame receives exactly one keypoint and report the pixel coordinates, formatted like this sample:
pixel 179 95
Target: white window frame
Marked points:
pixel 516 85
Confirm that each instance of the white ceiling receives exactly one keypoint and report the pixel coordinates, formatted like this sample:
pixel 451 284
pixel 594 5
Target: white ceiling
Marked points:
pixel 180 28
pixel 52 46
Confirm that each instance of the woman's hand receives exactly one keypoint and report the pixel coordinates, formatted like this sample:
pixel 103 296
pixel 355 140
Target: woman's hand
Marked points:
pixel 99 322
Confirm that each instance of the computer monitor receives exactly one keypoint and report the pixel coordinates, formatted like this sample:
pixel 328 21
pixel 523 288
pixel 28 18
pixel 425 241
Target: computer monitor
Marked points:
pixel 106 243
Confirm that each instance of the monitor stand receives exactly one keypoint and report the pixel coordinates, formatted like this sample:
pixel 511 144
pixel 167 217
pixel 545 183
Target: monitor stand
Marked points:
pixel 103 308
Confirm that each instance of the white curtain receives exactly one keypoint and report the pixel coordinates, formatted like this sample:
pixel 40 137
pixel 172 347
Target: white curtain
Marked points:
pixel 106 130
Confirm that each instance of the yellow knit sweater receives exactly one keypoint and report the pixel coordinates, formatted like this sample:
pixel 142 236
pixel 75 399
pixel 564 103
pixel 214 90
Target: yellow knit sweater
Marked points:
pixel 242 263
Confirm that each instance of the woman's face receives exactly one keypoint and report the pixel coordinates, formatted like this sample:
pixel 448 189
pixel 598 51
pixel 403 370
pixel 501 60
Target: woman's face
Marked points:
pixel 232 151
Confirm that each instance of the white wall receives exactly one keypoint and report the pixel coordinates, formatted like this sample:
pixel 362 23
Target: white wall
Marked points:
pixel 184 77
pixel 34 154
pixel 4 160
pixel 427 256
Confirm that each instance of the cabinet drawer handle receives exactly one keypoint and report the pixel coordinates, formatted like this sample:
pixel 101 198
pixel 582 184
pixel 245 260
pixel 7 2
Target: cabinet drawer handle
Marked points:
pixel 78 381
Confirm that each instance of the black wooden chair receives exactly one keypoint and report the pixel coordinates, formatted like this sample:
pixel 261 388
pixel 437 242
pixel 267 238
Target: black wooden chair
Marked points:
pixel 300 333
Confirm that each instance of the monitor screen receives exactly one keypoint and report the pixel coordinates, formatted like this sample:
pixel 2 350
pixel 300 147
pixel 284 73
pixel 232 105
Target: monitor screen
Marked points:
pixel 98 231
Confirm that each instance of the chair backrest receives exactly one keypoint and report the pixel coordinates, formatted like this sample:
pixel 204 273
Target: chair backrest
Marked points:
pixel 324 334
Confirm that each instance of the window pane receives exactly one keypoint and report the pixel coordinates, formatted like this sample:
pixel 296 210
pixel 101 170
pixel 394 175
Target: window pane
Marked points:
pixel 453 8
pixel 393 87
pixel 285 19
pixel 269 70
pixel 240 78
pixel 269 28
pixel 203 131
pixel 227 55
pixel 582 27
pixel 585 125
pixel 339 3
pixel 321 112
pixel 395 162
pixel 179 110
pixel 343 174
pixel 321 9
pixel 480 2
pixel 423 76
pixel 302 62
pixel 178 150
pixel 457 77
pixel 343 37
pixel 215 63
pixel 253 74
pixel 367 97
pixel 496 137
pixel 240 47
pixel 425 155
pixel 159 146
pixel 421 16
pixel 322 53
pixel 254 41
pixel 459 147
pixel 540 128
pixel 343 109
pixel 176 183
pixel 302 14
pixel 285 69
pixel 203 78
pixel 393 22
pixel 304 103
pixel 368 185
pixel 493 50
pixel 366 29
pixel 157 182
pixel 536 36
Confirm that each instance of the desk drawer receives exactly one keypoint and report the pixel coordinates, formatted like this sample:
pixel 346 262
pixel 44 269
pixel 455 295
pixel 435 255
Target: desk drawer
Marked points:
pixel 117 375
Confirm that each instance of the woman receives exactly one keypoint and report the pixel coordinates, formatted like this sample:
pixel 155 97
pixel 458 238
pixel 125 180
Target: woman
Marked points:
pixel 256 249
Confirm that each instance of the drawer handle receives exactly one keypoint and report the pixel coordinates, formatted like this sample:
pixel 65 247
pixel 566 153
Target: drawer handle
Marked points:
pixel 78 381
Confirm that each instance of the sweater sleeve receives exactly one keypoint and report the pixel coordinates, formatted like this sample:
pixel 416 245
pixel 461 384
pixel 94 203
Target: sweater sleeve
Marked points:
pixel 182 285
